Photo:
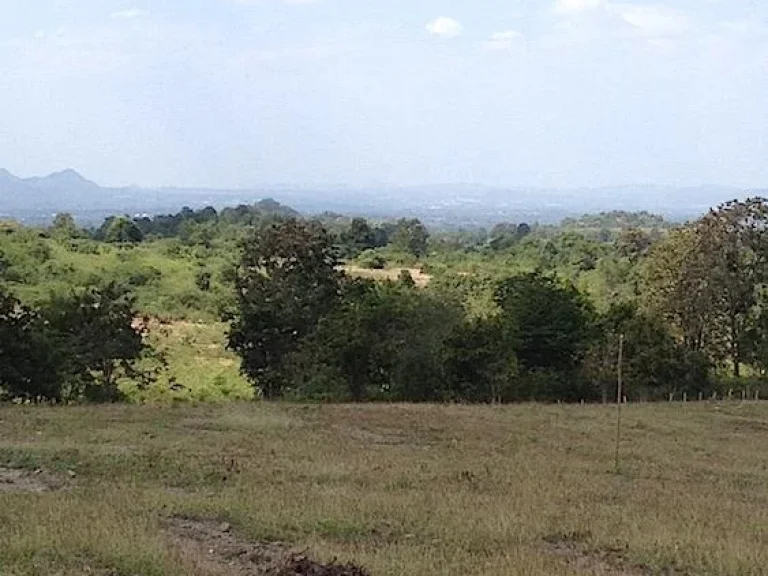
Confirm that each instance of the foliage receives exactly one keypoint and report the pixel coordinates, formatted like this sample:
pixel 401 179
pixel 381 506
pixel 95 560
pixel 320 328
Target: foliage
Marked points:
pixel 29 365
pixel 383 342
pixel 706 279
pixel 120 230
pixel 97 330
pixel 65 228
pixel 287 282
pixel 506 235
pixel 553 327
pixel 515 313
pixel 372 260
pixel 654 363
pixel 480 362
pixel 410 236
pixel 77 346
pixel 617 219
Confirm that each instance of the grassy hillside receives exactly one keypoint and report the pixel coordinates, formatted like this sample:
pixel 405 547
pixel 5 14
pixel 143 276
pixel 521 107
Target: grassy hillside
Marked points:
pixel 524 490
pixel 199 368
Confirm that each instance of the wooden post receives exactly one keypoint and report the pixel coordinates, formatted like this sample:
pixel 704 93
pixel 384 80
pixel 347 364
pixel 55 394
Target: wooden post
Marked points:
pixel 619 396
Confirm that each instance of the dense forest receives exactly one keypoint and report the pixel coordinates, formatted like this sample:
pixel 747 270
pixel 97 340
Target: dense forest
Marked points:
pixel 335 308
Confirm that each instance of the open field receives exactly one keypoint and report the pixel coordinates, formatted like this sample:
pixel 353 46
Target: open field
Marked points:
pixel 420 278
pixel 449 490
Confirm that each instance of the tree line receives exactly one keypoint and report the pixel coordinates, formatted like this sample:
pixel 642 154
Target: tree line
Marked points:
pixel 691 309
pixel 305 329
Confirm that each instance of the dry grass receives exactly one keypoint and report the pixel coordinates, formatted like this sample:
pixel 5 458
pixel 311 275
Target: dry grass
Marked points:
pixel 524 490
pixel 393 274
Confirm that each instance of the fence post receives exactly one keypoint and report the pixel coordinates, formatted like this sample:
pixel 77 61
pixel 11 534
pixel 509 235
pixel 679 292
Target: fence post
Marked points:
pixel 619 397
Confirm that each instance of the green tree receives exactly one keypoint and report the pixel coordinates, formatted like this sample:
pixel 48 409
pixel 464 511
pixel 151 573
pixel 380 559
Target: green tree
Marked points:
pixel 358 237
pixel 411 236
pixel 553 324
pixel 29 366
pixel 97 330
pixel 706 278
pixel 654 362
pixel 633 243
pixel 287 282
pixel 64 227
pixel 734 242
pixel 384 341
pixel 676 277
pixel 480 362
pixel 121 230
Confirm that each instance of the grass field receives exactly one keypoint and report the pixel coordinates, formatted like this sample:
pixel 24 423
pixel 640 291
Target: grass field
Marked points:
pixel 200 368
pixel 447 490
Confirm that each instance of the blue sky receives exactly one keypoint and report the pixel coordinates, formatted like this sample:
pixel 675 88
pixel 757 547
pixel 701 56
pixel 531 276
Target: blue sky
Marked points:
pixel 251 92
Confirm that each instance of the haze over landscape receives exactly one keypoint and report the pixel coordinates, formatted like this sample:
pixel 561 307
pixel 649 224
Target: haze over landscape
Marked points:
pixel 349 101
pixel 383 288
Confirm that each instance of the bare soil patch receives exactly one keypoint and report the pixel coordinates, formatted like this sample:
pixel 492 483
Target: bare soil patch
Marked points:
pixel 420 278
pixel 17 480
pixel 213 549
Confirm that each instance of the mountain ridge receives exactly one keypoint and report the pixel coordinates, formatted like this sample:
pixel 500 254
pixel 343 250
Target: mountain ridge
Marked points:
pixel 39 197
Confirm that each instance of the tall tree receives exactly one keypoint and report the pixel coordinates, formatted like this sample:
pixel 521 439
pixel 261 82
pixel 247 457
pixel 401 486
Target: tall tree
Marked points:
pixel 706 278
pixel 553 327
pixel 287 281
pixel 734 242
pixel 411 236
pixel 678 290
pixel 358 237
pixel 120 230
pixel 64 227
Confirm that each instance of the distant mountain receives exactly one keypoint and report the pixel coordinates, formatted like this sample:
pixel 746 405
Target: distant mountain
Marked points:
pixel 38 199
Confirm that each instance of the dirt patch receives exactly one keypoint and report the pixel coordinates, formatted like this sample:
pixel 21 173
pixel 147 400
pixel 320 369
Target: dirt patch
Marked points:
pixel 572 549
pixel 213 549
pixel 420 278
pixel 16 480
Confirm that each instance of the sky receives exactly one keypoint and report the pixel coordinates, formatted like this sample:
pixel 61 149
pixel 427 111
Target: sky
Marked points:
pixel 241 93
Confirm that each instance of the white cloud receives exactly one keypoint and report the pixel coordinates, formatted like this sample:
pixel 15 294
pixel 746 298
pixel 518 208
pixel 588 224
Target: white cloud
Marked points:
pixel 653 19
pixel 503 40
pixel 444 27
pixel 576 6
pixel 129 14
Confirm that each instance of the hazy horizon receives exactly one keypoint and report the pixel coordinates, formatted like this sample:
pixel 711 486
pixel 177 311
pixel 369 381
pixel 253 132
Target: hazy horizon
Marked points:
pixel 265 186
pixel 243 94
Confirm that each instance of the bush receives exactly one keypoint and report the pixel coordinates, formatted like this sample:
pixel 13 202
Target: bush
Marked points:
pixel 372 260
pixel 30 367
